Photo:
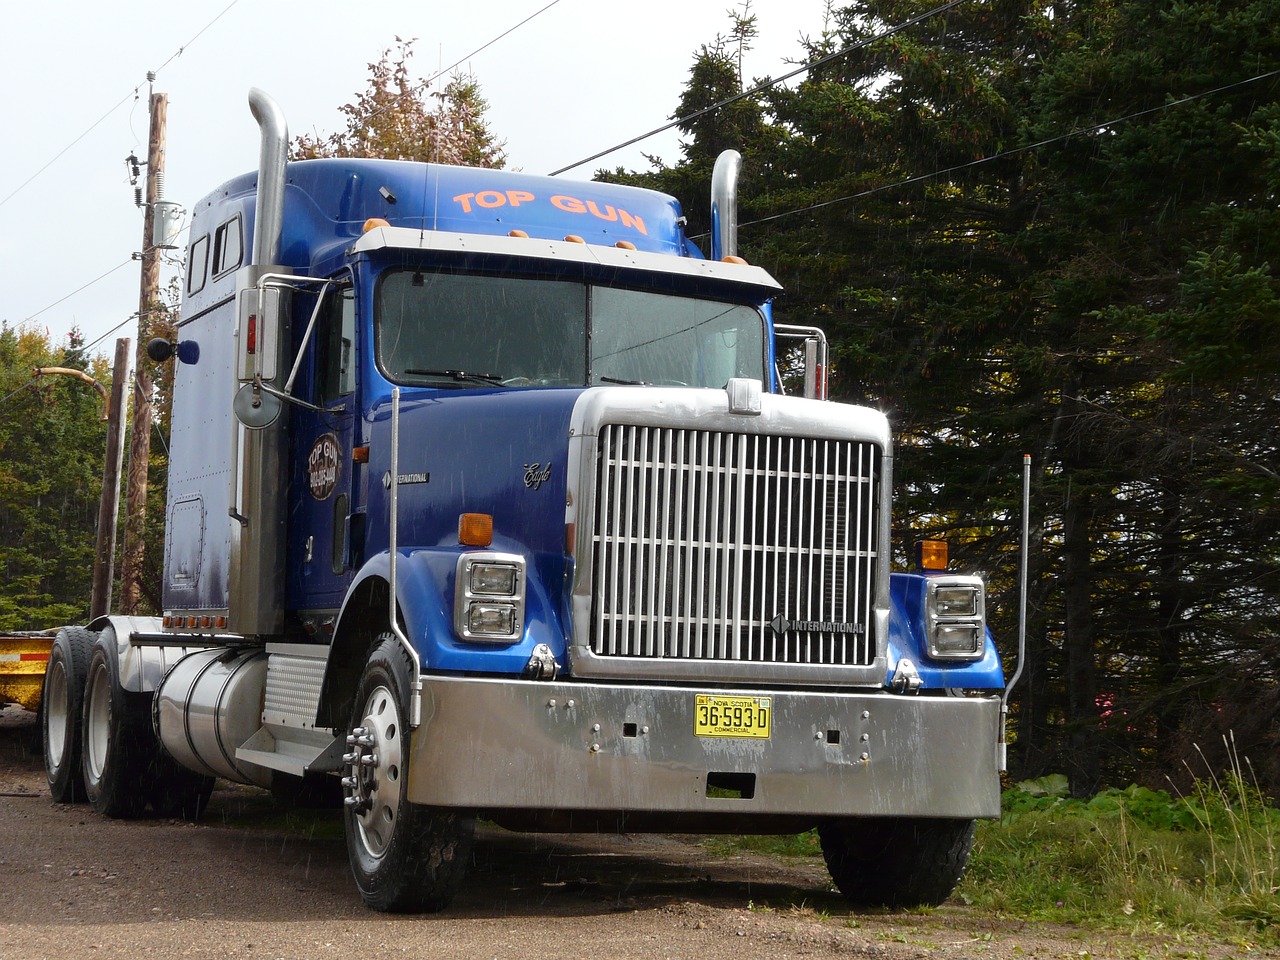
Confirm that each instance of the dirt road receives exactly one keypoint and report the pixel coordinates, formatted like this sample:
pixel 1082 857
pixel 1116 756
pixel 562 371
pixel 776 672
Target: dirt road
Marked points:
pixel 250 881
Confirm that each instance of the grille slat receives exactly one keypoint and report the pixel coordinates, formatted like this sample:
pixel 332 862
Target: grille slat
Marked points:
pixel 734 547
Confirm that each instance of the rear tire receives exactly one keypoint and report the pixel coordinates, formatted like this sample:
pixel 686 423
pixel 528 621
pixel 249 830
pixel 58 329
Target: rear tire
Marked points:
pixel 61 724
pixel 896 861
pixel 406 858
pixel 120 752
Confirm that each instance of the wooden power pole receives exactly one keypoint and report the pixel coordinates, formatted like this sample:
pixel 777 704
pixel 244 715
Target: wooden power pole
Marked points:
pixel 140 441
pixel 109 508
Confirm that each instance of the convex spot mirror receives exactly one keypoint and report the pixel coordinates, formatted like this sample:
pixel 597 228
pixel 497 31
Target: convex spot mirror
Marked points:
pixel 255 408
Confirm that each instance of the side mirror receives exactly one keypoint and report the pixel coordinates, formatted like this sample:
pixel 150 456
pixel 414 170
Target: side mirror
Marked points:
pixel 814 356
pixel 261 317
pixel 160 350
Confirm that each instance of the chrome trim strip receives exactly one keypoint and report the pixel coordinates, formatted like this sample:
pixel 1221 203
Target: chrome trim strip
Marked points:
pixel 561 253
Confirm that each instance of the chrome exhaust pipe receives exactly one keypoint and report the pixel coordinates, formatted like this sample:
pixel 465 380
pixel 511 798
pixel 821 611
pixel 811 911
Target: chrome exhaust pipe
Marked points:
pixel 273 157
pixel 724 205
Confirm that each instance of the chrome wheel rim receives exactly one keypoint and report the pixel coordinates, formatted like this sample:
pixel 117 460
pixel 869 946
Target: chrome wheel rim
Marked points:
pixel 56 713
pixel 375 761
pixel 97 731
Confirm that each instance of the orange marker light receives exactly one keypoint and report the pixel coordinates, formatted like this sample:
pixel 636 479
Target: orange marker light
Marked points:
pixel 518 233
pixel 625 245
pixel 733 259
pixel 574 238
pixel 359 454
pixel 373 223
pixel 932 554
pixel 475 529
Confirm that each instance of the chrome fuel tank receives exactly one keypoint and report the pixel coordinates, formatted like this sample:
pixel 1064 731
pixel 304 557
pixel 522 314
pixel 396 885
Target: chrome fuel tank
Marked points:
pixel 209 704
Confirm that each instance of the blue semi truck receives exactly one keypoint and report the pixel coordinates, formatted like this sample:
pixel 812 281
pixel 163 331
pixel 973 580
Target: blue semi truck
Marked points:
pixel 485 499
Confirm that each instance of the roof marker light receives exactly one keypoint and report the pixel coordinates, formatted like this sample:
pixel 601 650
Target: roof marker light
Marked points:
pixel 518 233
pixel 373 223
pixel 574 238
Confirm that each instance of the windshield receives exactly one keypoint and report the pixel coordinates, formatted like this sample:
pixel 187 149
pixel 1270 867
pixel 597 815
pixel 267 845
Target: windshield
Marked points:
pixel 466 329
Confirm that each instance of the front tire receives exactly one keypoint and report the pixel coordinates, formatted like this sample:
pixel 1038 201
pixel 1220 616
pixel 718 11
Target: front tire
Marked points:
pixel 406 858
pixel 896 861
pixel 61 724
pixel 119 751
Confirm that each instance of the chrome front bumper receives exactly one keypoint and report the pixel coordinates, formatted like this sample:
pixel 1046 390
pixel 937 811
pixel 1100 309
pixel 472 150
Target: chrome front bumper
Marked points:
pixel 519 745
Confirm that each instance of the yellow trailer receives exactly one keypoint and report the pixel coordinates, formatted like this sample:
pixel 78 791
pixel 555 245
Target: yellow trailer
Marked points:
pixel 23 658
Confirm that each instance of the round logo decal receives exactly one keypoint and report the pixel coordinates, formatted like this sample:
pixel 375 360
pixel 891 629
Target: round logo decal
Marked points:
pixel 324 464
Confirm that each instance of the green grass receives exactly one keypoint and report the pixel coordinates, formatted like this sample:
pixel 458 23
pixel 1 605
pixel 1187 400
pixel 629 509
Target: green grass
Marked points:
pixel 1208 861
pixel 1137 859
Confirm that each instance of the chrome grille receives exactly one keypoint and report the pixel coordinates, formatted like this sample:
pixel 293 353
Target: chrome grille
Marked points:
pixel 734 547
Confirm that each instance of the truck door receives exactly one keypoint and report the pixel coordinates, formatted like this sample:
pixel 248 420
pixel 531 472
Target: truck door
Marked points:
pixel 321 547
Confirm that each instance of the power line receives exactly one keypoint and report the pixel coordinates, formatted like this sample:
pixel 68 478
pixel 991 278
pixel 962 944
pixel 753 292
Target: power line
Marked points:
pixel 78 289
pixel 422 85
pixel 182 49
pixel 1012 151
pixel 766 85
pixel 123 100
pixel 93 126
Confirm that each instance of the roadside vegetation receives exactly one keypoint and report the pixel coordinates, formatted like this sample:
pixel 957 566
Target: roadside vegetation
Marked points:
pixel 1155 860
pixel 1204 861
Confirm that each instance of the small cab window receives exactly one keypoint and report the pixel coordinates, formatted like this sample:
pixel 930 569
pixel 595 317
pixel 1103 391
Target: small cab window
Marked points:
pixel 197 265
pixel 228 248
pixel 335 345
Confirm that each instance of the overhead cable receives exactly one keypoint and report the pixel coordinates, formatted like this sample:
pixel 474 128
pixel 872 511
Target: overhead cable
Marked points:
pixel 123 100
pixel 760 88
pixel 1013 150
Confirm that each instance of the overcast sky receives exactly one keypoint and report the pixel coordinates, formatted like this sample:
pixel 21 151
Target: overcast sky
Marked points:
pixel 579 77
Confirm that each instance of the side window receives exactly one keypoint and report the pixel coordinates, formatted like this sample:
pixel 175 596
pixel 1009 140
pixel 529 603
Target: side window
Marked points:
pixel 228 248
pixel 335 345
pixel 197 265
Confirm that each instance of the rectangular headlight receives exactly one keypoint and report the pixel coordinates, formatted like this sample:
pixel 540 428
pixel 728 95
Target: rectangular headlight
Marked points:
pixel 493 579
pixel 489 597
pixel 956 640
pixel 491 619
pixel 955 617
pixel 960 600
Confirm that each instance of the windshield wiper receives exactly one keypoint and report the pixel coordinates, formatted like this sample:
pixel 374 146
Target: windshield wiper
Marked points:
pixel 629 383
pixel 459 375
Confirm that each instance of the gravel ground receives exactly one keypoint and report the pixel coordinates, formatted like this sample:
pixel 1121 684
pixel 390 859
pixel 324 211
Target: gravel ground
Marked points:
pixel 252 881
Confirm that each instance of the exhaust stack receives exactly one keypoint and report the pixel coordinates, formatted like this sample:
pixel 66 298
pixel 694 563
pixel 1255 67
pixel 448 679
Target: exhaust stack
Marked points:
pixel 273 155
pixel 724 205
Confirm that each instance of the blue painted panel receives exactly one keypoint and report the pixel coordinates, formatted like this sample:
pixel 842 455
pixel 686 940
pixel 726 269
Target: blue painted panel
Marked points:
pixel 907 639
pixel 328 201
pixel 476 447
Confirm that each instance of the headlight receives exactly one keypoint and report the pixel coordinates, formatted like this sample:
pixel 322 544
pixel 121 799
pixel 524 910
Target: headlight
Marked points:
pixel 488 602
pixel 494 579
pixel 955 618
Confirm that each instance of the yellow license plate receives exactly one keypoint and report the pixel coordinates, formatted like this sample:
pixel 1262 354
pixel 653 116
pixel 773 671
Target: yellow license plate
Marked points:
pixel 717 716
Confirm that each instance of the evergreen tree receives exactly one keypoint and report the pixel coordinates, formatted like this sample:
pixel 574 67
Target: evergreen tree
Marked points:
pixel 1048 228
pixel 52 444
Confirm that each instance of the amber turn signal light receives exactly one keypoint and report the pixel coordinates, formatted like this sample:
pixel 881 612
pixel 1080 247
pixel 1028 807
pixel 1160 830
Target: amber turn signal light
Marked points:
pixel 475 529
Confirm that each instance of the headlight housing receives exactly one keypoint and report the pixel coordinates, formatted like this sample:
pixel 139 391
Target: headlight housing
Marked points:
pixel 488 598
pixel 955 617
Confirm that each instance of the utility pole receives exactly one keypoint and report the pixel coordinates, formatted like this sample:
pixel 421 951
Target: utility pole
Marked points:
pixel 140 441
pixel 109 508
